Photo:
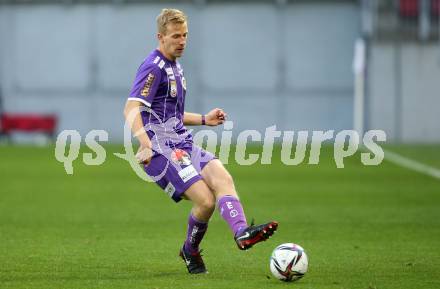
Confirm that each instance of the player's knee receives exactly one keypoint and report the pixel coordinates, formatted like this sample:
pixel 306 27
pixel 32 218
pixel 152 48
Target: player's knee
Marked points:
pixel 208 205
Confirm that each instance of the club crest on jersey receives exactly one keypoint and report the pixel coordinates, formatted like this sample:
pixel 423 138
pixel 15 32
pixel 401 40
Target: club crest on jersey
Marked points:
pixel 148 83
pixel 173 89
pixel 180 157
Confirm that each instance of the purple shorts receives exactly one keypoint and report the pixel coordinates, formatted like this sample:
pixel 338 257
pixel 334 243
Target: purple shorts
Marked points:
pixel 175 170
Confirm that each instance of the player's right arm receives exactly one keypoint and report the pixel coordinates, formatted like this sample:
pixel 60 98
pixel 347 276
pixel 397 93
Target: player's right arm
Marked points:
pixel 133 117
pixel 144 89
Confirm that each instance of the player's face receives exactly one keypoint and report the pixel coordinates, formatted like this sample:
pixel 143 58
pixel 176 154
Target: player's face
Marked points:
pixel 174 41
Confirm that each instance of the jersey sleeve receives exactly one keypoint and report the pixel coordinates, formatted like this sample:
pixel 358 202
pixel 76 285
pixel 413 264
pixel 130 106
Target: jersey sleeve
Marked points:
pixel 146 84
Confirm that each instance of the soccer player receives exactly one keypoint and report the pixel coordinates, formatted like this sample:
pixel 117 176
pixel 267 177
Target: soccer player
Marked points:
pixel 167 152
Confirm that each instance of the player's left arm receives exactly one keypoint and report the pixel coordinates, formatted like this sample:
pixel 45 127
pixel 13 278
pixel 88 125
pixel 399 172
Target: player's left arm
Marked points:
pixel 215 117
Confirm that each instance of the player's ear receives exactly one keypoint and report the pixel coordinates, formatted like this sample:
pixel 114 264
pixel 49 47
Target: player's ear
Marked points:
pixel 159 36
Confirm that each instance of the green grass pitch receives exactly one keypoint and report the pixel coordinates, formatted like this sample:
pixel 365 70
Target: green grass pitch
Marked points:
pixel 362 227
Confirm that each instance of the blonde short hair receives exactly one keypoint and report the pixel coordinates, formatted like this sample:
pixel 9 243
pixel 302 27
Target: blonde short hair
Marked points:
pixel 167 16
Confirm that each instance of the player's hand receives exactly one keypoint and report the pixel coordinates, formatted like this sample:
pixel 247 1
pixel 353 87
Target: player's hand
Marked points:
pixel 215 117
pixel 144 155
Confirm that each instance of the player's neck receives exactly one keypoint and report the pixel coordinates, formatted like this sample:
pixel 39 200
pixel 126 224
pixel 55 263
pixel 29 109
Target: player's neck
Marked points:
pixel 167 56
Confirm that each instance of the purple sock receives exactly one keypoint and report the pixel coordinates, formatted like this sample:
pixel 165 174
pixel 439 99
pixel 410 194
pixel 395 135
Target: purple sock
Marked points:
pixel 232 212
pixel 196 231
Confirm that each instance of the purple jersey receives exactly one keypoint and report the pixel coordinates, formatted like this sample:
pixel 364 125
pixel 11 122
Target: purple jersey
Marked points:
pixel 177 162
pixel 161 86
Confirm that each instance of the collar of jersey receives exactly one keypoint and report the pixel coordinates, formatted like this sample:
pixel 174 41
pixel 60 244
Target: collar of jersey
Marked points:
pixel 164 58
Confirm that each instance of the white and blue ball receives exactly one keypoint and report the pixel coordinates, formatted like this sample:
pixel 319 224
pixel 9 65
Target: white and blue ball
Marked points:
pixel 288 262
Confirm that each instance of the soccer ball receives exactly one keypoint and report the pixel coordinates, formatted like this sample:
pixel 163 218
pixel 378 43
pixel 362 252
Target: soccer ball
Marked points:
pixel 288 262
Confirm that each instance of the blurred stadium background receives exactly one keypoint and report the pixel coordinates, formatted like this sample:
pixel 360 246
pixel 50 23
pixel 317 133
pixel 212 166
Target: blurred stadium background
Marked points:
pixel 302 65
pixel 289 60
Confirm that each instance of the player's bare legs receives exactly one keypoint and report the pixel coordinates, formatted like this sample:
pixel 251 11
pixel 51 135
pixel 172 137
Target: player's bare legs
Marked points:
pixel 222 185
pixel 218 179
pixel 203 206
pixel 203 200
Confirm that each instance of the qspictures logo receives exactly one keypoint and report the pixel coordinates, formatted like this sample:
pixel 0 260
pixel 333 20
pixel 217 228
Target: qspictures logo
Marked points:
pixel 294 145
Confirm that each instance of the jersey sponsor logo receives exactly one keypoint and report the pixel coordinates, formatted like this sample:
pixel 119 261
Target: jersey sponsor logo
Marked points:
pixel 161 64
pixel 148 83
pixel 173 90
pixel 156 60
pixel 180 157
pixel 188 173
pixel 170 189
pixel 170 73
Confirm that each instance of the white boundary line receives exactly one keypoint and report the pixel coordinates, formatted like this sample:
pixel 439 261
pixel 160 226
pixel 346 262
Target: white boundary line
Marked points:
pixel 411 164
